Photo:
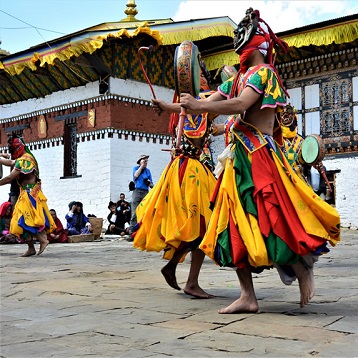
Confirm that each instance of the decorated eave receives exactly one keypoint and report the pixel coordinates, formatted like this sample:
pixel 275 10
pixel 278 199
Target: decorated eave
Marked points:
pixel 320 38
pixel 79 58
pixel 164 32
pixel 50 67
pixel 86 41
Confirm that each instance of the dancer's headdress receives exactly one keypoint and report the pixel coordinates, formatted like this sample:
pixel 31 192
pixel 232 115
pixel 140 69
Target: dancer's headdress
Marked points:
pixel 252 26
pixel 288 116
pixel 16 146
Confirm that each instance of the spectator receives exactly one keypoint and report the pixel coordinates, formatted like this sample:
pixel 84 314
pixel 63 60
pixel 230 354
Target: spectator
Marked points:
pixel 124 207
pixel 116 221
pixel 59 235
pixel 317 181
pixel 77 221
pixel 143 181
pixel 5 217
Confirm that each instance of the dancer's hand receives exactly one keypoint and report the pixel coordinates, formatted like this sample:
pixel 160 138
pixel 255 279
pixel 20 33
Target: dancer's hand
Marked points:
pixel 189 102
pixel 159 106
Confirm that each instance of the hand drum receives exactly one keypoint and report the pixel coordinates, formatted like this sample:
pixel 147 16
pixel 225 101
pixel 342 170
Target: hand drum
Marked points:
pixel 186 76
pixel 187 69
pixel 313 150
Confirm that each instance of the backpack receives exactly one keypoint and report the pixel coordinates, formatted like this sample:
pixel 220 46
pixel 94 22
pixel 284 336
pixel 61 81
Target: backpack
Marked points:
pixel 131 185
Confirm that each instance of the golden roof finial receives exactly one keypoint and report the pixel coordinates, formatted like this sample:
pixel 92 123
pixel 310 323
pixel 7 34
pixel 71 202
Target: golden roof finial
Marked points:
pixel 130 11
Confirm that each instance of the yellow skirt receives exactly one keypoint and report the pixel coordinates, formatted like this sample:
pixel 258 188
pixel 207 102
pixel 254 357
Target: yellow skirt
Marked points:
pixel 174 210
pixel 31 214
pixel 317 217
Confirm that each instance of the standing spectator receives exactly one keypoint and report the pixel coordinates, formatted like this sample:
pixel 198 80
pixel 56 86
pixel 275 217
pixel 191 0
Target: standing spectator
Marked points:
pixel 124 207
pixel 5 217
pixel 317 181
pixel 31 218
pixel 77 221
pixel 143 181
pixel 60 234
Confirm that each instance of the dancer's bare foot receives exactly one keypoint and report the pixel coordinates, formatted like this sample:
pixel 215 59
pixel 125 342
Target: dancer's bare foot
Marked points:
pixel 169 275
pixel 30 252
pixel 241 305
pixel 196 291
pixel 43 245
pixel 305 281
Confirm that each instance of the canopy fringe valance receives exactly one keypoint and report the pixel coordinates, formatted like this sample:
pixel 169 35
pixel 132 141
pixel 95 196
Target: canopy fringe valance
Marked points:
pixel 75 47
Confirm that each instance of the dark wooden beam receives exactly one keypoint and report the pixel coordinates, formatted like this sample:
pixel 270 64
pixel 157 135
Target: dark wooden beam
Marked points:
pixel 70 115
pixel 17 128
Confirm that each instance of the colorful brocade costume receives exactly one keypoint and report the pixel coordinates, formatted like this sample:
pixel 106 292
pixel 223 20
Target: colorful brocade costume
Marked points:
pixel 292 148
pixel 177 209
pixel 31 214
pixel 264 213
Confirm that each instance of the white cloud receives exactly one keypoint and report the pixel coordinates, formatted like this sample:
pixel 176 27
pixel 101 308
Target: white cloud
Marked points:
pixel 280 15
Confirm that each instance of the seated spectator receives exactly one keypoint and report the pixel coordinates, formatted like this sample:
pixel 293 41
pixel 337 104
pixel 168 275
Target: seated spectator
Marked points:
pixel 116 221
pixel 5 217
pixel 77 221
pixel 124 206
pixel 59 234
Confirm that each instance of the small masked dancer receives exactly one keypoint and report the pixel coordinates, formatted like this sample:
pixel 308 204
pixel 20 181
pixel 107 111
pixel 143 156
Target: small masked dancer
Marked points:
pixel 31 219
pixel 174 216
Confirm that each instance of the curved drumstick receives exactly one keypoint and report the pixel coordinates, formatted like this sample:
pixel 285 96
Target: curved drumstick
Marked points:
pixel 182 116
pixel 150 49
pixel 323 173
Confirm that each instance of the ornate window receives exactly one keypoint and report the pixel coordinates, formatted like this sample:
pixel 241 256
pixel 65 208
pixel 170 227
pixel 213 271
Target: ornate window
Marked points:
pixel 344 91
pixel 336 122
pixel 70 150
pixel 336 112
pixel 335 93
pixel 328 123
pixel 326 95
pixel 345 121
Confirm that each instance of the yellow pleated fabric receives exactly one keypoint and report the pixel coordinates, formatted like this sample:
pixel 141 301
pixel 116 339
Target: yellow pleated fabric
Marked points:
pixel 317 217
pixel 170 213
pixel 228 203
pixel 31 215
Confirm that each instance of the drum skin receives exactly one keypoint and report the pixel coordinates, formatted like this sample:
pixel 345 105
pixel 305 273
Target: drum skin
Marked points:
pixel 187 69
pixel 313 150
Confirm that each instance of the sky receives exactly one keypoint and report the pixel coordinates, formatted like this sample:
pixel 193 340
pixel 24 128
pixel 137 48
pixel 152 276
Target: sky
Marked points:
pixel 26 23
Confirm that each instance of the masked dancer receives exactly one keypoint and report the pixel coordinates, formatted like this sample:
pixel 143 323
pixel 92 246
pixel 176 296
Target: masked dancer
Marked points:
pixel 175 214
pixel 264 213
pixel 31 219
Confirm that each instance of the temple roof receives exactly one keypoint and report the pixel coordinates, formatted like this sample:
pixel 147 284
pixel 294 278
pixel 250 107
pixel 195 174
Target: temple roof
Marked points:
pixel 213 36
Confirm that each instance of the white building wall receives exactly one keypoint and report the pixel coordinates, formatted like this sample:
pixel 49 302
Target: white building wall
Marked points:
pixel 105 166
pixel 125 88
pixel 346 189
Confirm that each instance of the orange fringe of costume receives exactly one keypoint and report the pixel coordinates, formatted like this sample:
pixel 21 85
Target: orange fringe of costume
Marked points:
pixel 263 211
pixel 177 209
